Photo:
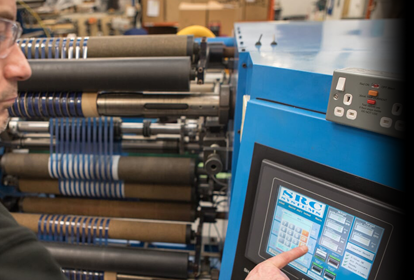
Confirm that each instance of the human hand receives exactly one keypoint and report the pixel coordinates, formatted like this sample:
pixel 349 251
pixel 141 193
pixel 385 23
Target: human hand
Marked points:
pixel 270 269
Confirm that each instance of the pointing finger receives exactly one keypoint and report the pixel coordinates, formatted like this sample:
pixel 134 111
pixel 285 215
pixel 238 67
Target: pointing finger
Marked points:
pixel 284 258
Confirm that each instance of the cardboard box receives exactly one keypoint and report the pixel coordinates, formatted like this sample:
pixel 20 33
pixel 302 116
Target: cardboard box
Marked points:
pixel 255 13
pixel 153 11
pixel 224 15
pixel 172 12
pixel 192 14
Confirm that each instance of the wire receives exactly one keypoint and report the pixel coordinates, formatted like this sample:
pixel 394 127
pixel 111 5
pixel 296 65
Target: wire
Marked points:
pixel 36 16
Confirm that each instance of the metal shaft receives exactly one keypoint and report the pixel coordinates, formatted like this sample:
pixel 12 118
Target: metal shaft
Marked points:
pixel 149 106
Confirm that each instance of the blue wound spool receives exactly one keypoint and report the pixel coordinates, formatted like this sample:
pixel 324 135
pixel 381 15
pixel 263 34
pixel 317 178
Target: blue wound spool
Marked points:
pixel 71 104
pixel 16 109
pixel 39 227
pixel 57 48
pixel 36 103
pixel 22 109
pixel 56 104
pixel 50 49
pixel 36 48
pixel 42 49
pixel 50 230
pixel 29 105
pixel 23 45
pixel 49 104
pixel 29 48
pixel 64 104
pixel 43 106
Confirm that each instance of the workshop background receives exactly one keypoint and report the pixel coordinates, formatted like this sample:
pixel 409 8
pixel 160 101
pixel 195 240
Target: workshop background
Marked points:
pixel 137 154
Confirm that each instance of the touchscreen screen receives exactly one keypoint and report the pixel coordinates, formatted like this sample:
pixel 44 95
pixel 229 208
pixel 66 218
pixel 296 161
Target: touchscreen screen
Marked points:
pixel 341 245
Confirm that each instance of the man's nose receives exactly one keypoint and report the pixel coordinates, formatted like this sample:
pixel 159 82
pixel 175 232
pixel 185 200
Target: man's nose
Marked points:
pixel 16 66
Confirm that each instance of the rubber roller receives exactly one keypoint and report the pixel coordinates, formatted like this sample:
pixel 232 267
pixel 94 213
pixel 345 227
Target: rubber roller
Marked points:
pixel 70 104
pixel 108 46
pixel 109 74
pixel 128 190
pixel 142 170
pixel 122 260
pixel 89 227
pixel 109 208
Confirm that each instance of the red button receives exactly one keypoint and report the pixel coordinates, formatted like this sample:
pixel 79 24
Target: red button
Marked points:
pixel 371 101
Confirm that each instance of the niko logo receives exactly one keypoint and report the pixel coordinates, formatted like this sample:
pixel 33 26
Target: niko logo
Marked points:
pixel 302 202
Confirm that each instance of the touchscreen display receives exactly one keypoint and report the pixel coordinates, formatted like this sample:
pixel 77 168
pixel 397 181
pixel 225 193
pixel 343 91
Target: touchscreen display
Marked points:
pixel 341 245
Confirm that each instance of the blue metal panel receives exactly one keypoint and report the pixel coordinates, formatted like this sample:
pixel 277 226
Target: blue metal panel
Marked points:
pixel 289 85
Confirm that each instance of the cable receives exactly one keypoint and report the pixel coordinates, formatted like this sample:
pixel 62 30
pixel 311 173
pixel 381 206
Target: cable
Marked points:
pixel 36 16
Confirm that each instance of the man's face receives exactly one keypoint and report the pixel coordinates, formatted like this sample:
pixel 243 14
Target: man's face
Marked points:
pixel 13 68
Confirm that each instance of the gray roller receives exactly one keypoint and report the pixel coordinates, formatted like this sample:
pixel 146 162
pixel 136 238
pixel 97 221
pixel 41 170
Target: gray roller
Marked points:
pixel 121 260
pixel 109 46
pixel 109 74
pixel 134 46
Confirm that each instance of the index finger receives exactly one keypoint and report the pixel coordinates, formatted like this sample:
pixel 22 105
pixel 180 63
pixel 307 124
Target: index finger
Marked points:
pixel 284 258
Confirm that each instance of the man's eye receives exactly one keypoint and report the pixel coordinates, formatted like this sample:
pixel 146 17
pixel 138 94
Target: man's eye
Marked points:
pixel 2 38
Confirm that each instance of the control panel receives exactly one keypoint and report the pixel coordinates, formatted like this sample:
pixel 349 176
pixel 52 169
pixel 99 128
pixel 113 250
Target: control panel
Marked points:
pixel 367 99
pixel 346 234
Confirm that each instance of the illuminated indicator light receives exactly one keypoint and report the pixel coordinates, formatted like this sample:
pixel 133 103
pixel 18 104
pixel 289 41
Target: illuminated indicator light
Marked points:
pixel 373 93
pixel 375 85
pixel 371 102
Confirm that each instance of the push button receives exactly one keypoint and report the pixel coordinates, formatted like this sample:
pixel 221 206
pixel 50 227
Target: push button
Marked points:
pixel 371 101
pixel 373 93
pixel 340 86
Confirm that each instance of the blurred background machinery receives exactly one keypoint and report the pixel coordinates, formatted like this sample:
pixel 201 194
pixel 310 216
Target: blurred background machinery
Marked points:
pixel 118 153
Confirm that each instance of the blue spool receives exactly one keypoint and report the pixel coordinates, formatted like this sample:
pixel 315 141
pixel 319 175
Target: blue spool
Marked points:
pixel 29 104
pixel 49 104
pixel 43 51
pixel 29 48
pixel 36 103
pixel 16 109
pixel 21 107
pixel 56 103
pixel 71 104
pixel 63 104
pixel 43 106
pixel 57 48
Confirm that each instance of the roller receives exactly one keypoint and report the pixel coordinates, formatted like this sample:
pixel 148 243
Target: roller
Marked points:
pixel 109 208
pixel 109 74
pixel 122 260
pixel 144 231
pixel 142 170
pixel 142 191
pixel 154 106
pixel 44 105
pixel 108 46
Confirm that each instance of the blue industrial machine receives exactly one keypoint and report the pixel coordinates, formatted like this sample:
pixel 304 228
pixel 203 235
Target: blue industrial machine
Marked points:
pixel 299 178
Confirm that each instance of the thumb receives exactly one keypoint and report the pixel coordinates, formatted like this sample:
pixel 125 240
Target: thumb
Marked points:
pixel 284 258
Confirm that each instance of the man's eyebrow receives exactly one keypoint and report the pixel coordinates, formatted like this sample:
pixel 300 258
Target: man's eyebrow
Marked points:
pixel 6 15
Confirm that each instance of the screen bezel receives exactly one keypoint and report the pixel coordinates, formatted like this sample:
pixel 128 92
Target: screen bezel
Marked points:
pixel 313 187
pixel 386 196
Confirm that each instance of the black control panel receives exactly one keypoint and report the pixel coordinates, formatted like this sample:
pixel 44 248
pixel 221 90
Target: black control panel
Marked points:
pixel 292 201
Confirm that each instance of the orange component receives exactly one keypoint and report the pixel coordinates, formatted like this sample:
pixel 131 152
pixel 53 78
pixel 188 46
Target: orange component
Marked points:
pixel 305 233
pixel 373 93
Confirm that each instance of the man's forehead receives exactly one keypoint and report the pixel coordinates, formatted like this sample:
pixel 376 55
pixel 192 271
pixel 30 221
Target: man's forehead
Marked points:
pixel 8 9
